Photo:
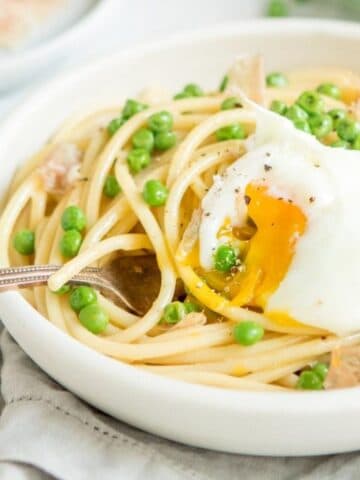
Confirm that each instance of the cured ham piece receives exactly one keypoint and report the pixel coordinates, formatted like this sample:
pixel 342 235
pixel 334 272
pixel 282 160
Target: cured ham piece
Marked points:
pixel 247 76
pixel 61 169
pixel 192 319
pixel 344 368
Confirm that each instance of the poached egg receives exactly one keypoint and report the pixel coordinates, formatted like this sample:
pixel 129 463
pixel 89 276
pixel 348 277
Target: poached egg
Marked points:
pixel 303 261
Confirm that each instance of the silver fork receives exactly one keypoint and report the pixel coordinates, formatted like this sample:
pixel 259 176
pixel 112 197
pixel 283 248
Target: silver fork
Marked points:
pixel 131 282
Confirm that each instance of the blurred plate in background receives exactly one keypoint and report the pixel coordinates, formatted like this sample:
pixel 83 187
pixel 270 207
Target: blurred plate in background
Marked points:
pixel 61 36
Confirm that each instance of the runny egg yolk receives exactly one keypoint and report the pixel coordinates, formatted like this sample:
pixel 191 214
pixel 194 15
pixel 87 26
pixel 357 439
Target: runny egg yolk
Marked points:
pixel 279 224
pixel 269 251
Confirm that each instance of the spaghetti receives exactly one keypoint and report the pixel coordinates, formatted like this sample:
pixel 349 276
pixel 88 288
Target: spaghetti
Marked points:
pixel 90 164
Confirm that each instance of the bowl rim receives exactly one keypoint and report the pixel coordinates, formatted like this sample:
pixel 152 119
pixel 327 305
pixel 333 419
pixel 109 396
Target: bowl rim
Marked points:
pixel 58 41
pixel 311 403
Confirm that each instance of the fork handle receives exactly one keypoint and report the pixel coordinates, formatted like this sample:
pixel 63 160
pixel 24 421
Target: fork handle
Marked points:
pixel 36 275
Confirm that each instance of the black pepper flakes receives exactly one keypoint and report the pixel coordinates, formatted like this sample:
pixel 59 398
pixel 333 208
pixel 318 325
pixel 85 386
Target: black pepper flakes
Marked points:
pixel 247 199
pixel 207 214
pixel 311 199
pixel 267 167
pixel 268 154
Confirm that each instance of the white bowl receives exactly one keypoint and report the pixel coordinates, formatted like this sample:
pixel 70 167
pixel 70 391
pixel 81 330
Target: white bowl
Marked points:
pixel 20 66
pixel 241 422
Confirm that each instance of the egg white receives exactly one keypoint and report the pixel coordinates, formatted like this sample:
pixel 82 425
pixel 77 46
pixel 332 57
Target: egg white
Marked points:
pixel 322 285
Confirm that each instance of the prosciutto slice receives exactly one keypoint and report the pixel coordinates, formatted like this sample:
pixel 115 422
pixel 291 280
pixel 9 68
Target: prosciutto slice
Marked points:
pixel 344 368
pixel 61 169
pixel 247 76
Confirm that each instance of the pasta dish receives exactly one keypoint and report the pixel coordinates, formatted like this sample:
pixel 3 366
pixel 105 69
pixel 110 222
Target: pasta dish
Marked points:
pixel 247 196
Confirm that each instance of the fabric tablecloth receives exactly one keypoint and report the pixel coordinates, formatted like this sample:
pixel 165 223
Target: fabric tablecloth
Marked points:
pixel 46 433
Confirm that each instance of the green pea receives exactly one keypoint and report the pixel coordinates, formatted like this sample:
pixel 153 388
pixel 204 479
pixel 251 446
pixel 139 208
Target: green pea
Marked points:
pixel 111 187
pixel 73 218
pixel 191 307
pixel 279 107
pixel 302 125
pixel 182 95
pixel 70 243
pixel 155 193
pixel 193 90
pixel 82 297
pixel 173 313
pixel 138 159
pixel 276 79
pixel 340 144
pixel 337 114
pixel 230 103
pixel 309 380
pixel 225 258
pixel 356 143
pixel 94 318
pixel 296 113
pixel 160 122
pixel 63 290
pixel 248 333
pixel 311 102
pixel 115 124
pixel 165 140
pixel 143 138
pixel 224 83
pixel 231 132
pixel 321 369
pixel 24 242
pixel 348 129
pixel 330 90
pixel 132 107
pixel 277 8
pixel 321 125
